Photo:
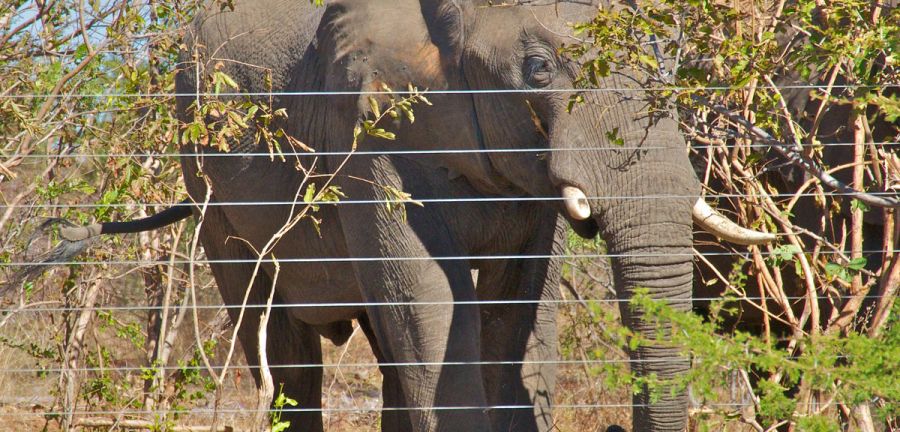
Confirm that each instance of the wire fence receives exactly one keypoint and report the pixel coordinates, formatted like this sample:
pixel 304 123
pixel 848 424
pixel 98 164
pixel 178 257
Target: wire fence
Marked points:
pixel 132 328
pixel 421 258
pixel 211 411
pixel 350 365
pixel 510 302
pixel 388 152
pixel 49 307
pixel 427 92
pixel 439 200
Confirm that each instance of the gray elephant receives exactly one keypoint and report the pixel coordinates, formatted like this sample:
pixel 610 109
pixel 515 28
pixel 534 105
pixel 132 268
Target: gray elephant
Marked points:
pixel 446 359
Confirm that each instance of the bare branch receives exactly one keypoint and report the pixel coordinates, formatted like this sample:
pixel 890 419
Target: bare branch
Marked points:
pixel 797 158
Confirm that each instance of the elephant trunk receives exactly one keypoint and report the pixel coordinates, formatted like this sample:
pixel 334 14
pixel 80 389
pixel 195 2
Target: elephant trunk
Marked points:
pixel 641 194
pixel 650 241
pixel 666 272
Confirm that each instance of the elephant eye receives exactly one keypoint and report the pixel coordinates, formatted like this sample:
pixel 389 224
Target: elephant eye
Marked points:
pixel 538 71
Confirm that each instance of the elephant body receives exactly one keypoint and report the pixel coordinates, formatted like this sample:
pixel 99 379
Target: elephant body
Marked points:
pixel 432 333
pixel 407 278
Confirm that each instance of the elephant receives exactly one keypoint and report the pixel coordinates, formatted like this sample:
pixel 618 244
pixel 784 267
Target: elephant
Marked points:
pixel 502 167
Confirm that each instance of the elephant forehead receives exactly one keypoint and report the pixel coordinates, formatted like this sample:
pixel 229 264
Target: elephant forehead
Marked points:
pixel 550 21
pixel 416 62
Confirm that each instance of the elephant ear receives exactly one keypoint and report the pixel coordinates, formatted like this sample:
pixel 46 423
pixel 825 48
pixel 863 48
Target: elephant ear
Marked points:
pixel 446 21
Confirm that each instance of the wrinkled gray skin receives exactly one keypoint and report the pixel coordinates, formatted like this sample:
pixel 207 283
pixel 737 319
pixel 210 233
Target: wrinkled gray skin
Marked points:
pixel 355 45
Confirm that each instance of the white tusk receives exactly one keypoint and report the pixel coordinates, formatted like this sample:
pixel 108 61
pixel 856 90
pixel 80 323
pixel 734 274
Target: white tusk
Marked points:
pixel 576 203
pixel 720 226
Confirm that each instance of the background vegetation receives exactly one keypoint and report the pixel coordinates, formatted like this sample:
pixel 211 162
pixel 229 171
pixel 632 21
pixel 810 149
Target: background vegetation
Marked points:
pixel 802 334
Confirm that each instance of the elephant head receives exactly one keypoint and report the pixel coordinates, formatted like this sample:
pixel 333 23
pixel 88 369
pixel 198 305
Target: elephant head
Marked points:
pixel 618 167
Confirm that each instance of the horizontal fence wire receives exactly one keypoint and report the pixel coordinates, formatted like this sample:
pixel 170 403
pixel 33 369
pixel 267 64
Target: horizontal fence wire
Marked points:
pixel 211 411
pixel 422 258
pixel 353 365
pixel 216 154
pixel 565 302
pixel 414 200
pixel 426 92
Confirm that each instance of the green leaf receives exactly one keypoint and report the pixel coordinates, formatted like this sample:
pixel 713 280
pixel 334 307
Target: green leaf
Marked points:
pixel 222 77
pixel 282 400
pixel 784 253
pixel 284 424
pixel 310 193
pixel 835 270
pixel 81 52
pixel 857 263
pixel 574 100
pixel 409 114
pixel 856 204
pixel 332 194
pixel 381 133
pixel 648 60
pixel 374 106
pixel 251 111
pixel 237 119
pixel 614 138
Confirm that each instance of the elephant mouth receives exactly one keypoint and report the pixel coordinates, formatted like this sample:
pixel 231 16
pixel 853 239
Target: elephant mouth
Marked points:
pixel 586 228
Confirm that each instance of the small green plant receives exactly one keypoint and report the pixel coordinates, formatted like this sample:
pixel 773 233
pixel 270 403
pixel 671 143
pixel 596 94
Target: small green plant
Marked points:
pixel 279 404
pixel 843 369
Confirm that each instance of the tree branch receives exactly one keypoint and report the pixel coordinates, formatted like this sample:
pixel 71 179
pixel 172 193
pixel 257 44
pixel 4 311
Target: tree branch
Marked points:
pixel 797 158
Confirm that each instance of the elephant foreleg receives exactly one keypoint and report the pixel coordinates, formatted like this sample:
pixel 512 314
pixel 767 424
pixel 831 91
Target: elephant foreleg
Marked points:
pixel 419 307
pixel 291 341
pixel 523 334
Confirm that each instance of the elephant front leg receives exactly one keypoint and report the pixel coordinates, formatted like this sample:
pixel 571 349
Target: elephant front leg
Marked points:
pixel 519 340
pixel 415 313
pixel 431 346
